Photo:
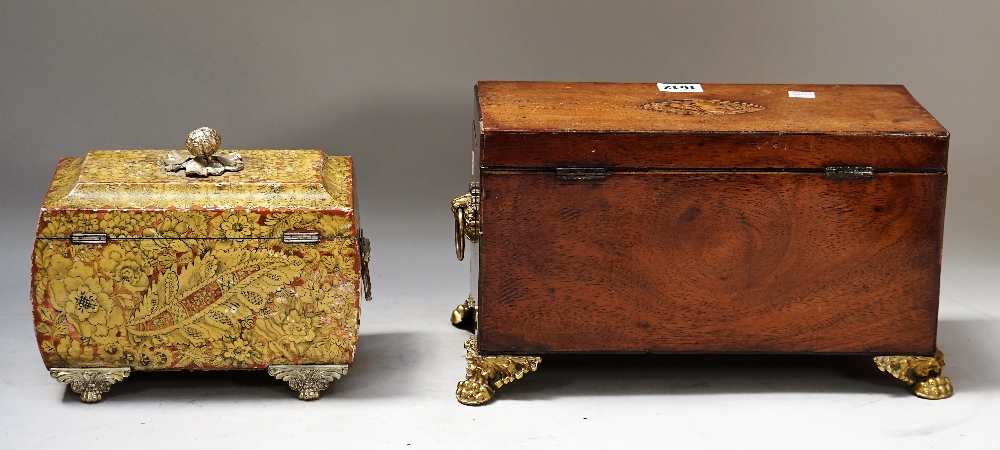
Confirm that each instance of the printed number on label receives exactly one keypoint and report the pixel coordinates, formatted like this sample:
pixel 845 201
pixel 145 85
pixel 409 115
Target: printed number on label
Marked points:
pixel 679 87
pixel 801 94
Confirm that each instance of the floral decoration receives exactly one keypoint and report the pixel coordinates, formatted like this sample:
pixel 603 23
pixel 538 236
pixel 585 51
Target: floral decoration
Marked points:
pixel 168 301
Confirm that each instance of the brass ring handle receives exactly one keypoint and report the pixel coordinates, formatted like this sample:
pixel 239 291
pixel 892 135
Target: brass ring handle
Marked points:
pixel 460 233
pixel 466 210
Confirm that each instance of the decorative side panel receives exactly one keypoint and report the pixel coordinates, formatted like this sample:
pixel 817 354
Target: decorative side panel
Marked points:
pixel 170 303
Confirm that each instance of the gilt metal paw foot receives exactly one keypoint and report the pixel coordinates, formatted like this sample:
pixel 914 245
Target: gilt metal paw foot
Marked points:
pixel 485 374
pixel 464 315
pixel 921 373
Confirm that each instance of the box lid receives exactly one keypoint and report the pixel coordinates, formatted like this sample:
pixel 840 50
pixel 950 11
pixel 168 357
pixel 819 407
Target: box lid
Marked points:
pixel 636 125
pixel 270 185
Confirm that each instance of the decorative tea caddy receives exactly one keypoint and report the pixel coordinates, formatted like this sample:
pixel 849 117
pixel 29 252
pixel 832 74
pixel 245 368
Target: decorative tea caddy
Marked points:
pixel 160 260
pixel 657 218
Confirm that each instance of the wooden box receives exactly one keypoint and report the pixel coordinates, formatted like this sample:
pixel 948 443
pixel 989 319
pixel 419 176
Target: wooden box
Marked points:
pixel 157 260
pixel 633 218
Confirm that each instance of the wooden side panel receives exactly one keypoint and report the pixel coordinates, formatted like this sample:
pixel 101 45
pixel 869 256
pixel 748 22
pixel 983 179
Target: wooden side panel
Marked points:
pixel 710 262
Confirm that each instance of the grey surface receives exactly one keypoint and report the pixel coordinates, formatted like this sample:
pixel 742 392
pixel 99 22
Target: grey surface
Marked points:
pixel 391 84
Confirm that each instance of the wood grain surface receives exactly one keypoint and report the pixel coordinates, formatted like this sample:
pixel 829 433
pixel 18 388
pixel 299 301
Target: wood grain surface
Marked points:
pixel 710 262
pixel 548 124
pixel 538 107
pixel 715 150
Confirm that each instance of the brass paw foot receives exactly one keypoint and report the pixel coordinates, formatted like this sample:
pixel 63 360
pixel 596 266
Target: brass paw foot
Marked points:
pixel 90 383
pixel 308 380
pixel 922 373
pixel 464 315
pixel 485 374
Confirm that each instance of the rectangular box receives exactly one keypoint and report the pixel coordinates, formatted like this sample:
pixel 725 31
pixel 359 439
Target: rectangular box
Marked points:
pixel 618 218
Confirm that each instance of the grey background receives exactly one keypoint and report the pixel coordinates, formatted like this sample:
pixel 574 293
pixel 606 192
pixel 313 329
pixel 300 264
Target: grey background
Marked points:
pixel 391 84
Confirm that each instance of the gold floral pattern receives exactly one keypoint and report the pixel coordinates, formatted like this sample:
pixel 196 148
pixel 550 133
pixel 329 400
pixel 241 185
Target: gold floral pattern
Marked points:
pixel 121 223
pixel 201 284
pixel 118 193
pixel 235 224
pixel 129 269
pixel 168 226
pixel 273 179
pixel 243 305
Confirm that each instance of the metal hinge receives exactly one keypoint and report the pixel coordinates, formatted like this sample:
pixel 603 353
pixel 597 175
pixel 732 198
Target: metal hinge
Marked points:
pixel 300 237
pixel 466 211
pixel 849 172
pixel 581 173
pixel 88 238
pixel 366 256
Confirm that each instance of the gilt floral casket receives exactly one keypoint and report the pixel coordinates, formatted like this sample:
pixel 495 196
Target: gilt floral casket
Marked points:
pixel 154 260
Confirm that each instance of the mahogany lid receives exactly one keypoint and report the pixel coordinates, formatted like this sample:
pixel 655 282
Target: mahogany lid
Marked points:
pixel 635 125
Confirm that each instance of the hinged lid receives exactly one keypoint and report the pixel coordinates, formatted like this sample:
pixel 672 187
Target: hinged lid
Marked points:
pixel 268 193
pixel 133 179
pixel 635 125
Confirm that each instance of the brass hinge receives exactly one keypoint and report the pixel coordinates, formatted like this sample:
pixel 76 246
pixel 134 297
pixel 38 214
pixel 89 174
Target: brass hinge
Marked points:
pixel 467 225
pixel 366 256
pixel 849 172
pixel 581 173
pixel 88 238
pixel 300 237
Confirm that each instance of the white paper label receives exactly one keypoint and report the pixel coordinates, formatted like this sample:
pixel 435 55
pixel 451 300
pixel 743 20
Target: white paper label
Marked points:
pixel 679 87
pixel 801 94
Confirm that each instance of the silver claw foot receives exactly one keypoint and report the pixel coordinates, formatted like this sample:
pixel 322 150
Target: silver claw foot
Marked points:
pixel 308 380
pixel 90 383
